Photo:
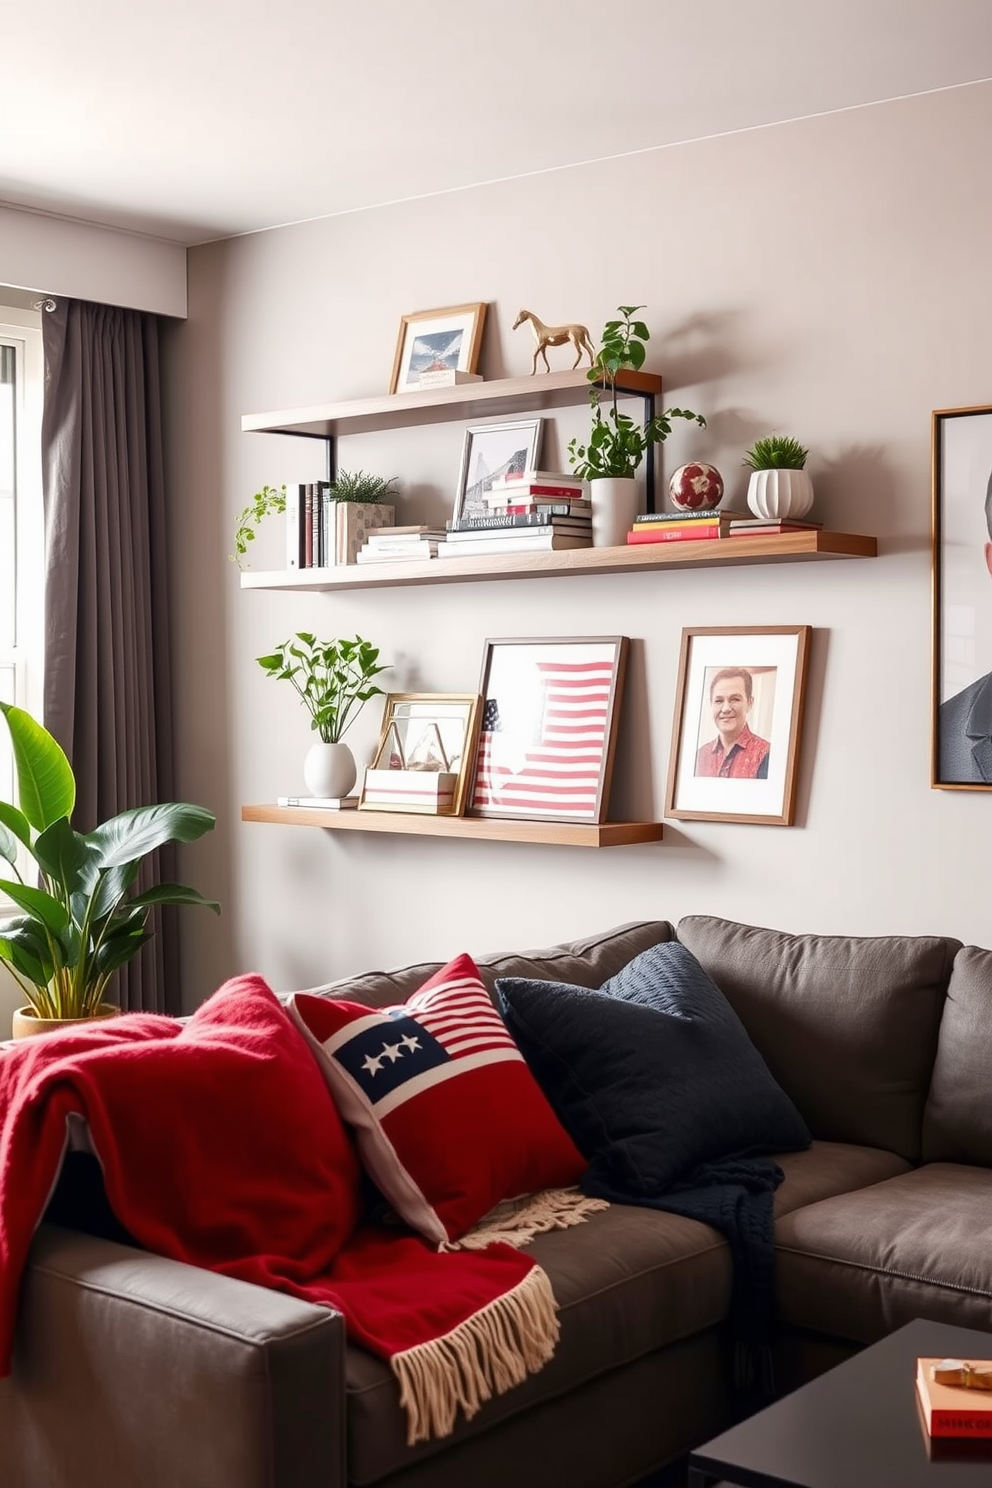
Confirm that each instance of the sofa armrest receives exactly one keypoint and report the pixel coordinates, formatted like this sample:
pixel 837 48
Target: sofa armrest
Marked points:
pixel 130 1369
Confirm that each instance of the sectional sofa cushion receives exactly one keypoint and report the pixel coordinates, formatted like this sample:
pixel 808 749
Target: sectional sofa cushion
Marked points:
pixel 847 1024
pixel 858 1265
pixel 447 1117
pixel 587 962
pixel 652 1075
pixel 957 1122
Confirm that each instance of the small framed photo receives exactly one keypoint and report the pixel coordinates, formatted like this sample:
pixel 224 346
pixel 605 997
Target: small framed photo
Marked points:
pixel 426 753
pixel 491 452
pixel 961 731
pixel 735 743
pixel 549 726
pixel 436 341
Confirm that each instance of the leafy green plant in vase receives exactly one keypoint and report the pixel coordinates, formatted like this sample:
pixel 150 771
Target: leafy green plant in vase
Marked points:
pixel 617 443
pixel 779 485
pixel 334 679
pixel 81 921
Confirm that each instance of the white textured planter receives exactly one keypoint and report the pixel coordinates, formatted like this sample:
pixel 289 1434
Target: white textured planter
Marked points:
pixel 329 769
pixel 779 493
pixel 614 507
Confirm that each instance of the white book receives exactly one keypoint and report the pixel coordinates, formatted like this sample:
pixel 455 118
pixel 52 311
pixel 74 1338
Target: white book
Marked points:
pixel 541 478
pixel 564 528
pixel 398 555
pixel 553 542
pixel 324 803
pixel 444 377
pixel 294 524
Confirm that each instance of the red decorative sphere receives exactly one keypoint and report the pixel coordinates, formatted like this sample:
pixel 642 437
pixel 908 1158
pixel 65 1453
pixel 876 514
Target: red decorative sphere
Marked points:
pixel 696 487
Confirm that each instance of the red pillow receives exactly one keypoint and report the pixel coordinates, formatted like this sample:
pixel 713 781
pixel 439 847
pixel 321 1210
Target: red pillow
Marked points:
pixel 448 1118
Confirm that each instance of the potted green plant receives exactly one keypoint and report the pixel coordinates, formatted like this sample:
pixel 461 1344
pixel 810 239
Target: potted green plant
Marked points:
pixel 81 921
pixel 335 679
pixel 359 485
pixel 779 485
pixel 617 443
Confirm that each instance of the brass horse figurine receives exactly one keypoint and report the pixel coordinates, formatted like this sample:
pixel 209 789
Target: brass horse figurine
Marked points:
pixel 546 336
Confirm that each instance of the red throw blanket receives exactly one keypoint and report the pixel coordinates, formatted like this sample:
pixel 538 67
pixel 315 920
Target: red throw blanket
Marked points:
pixel 221 1147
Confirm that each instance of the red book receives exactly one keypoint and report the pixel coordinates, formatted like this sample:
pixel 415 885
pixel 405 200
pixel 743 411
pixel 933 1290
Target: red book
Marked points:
pixel 769 529
pixel 950 1410
pixel 680 534
pixel 520 490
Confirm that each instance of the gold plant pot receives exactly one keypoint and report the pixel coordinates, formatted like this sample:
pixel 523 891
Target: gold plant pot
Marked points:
pixel 28 1022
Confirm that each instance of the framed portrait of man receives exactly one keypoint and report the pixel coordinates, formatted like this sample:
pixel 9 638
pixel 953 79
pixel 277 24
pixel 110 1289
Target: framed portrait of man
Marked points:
pixel 735 741
pixel 961 736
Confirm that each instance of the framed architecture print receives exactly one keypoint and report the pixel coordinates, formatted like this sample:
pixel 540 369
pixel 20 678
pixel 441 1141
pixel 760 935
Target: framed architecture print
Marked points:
pixel 739 711
pixel 549 725
pixel 436 341
pixel 961 728
pixel 491 452
pixel 426 753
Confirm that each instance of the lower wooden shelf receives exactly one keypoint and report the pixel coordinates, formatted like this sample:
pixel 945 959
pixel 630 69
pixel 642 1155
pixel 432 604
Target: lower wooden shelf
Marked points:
pixel 484 829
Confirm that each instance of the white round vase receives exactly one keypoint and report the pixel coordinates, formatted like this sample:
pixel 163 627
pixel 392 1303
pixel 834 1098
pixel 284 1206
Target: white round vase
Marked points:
pixel 779 493
pixel 329 769
pixel 614 507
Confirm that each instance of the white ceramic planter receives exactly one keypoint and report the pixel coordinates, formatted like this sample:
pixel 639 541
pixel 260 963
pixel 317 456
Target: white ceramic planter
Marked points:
pixel 614 507
pixel 329 769
pixel 779 493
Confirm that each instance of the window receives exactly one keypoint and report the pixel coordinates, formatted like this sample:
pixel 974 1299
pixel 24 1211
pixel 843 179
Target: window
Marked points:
pixel 21 521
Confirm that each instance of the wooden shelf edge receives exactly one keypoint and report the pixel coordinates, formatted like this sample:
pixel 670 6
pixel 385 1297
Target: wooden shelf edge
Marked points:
pixel 474 399
pixel 483 829
pixel 729 551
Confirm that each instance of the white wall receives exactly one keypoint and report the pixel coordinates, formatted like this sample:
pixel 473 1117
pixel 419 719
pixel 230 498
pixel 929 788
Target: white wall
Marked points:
pixel 54 255
pixel 827 279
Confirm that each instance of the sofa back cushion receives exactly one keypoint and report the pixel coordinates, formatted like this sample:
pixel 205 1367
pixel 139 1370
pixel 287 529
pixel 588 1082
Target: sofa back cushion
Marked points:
pixel 957 1121
pixel 586 962
pixel 847 1025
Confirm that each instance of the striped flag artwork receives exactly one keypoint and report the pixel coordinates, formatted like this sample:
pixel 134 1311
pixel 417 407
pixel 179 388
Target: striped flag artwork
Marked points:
pixel 552 766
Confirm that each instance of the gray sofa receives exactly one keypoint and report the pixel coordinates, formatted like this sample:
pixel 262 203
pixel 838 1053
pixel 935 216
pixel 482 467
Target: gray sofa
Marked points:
pixel 136 1372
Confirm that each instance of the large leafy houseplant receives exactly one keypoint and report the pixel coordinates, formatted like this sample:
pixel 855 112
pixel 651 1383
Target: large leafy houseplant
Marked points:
pixel 333 678
pixel 617 443
pixel 82 920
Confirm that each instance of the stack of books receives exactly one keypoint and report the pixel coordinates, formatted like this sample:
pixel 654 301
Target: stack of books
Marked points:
pixel 538 511
pixel 321 532
pixel 399 544
pixel 770 526
pixel 682 526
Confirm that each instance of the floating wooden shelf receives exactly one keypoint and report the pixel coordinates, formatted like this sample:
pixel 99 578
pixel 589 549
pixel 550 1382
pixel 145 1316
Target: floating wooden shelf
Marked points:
pixel 470 400
pixel 484 829
pixel 786 547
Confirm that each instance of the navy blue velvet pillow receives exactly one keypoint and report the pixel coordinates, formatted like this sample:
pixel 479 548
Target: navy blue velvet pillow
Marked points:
pixel 653 1075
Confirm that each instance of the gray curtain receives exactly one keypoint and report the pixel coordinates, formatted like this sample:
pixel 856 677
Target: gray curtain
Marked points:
pixel 107 680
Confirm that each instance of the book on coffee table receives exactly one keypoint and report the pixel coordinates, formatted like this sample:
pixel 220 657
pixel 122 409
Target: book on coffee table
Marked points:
pixel 961 1409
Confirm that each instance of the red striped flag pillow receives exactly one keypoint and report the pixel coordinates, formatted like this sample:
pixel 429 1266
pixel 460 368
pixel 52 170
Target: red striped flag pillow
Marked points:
pixel 447 1116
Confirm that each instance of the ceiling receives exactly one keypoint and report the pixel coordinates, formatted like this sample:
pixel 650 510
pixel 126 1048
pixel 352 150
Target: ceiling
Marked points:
pixel 197 119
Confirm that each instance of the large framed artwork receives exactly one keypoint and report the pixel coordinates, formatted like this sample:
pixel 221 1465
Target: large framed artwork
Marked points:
pixel 961 730
pixel 493 451
pixel 549 725
pixel 735 741
pixel 437 340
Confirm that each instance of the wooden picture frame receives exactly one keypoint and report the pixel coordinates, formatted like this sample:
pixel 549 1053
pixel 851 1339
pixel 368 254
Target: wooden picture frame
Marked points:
pixel 447 338
pixel 735 739
pixel 423 734
pixel 492 451
pixel 547 738
pixel 961 721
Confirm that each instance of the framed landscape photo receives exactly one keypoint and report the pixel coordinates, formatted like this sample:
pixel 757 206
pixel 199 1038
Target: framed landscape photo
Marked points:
pixel 426 753
pixel 739 711
pixel 435 341
pixel 961 712
pixel 550 708
pixel 491 452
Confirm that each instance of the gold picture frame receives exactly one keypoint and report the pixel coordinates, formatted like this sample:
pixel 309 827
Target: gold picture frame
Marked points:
pixel 428 739
pixel 434 339
pixel 745 684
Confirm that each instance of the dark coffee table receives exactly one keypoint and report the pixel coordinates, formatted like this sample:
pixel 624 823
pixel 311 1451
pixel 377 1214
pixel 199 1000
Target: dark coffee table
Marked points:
pixel 857 1426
